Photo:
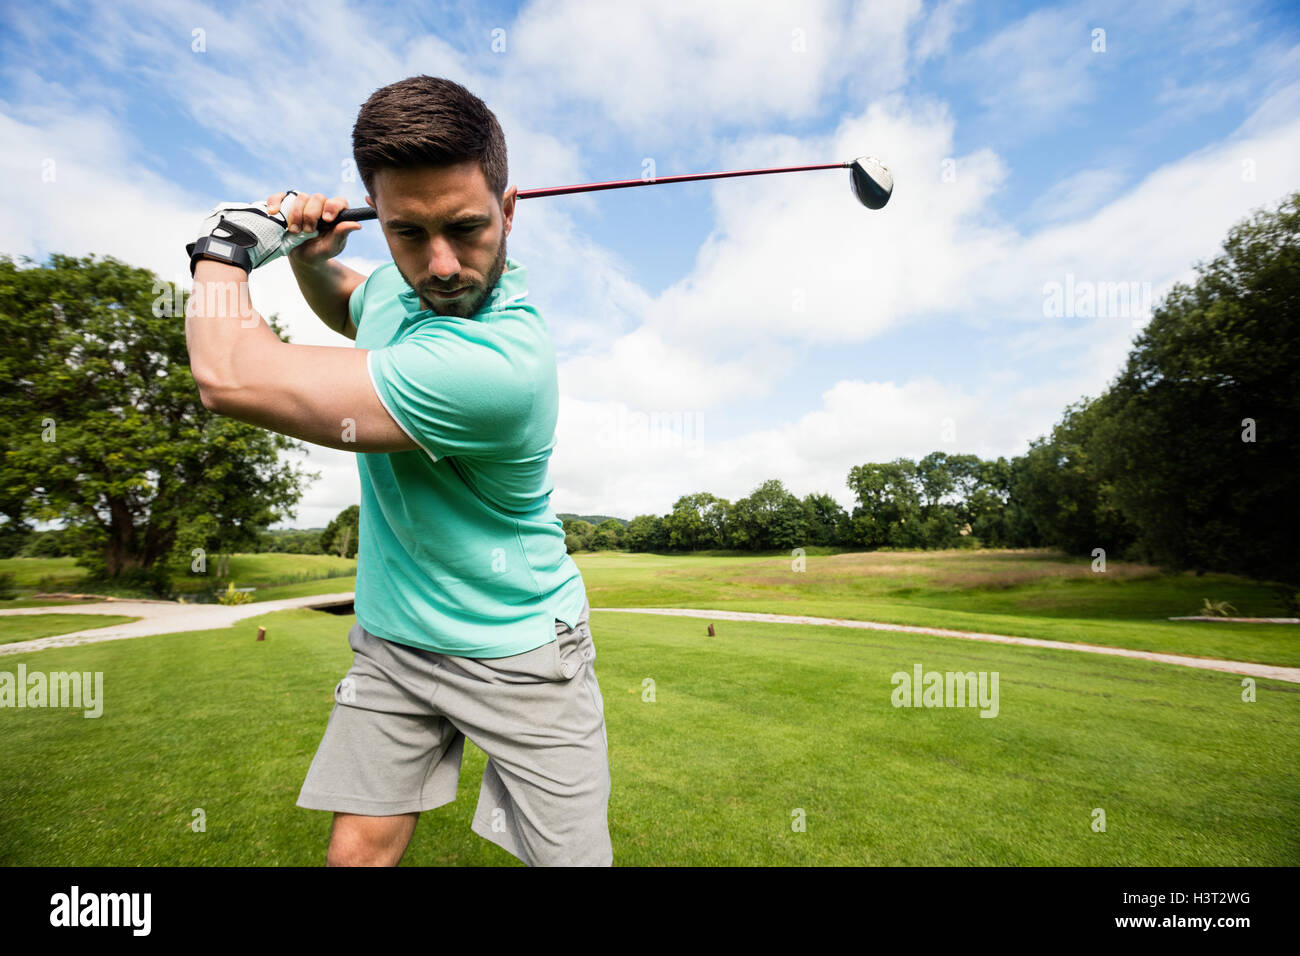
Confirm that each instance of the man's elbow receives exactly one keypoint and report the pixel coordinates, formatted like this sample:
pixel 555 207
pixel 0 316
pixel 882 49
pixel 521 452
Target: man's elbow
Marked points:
pixel 209 400
pixel 211 392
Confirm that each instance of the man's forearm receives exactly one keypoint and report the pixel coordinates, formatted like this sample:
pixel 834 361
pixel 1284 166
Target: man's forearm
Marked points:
pixel 220 322
pixel 327 287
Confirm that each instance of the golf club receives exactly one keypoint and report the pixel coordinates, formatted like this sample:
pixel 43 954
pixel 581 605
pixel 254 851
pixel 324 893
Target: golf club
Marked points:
pixel 871 180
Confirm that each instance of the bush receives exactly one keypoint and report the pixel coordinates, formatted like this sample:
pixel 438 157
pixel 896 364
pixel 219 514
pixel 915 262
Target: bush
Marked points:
pixel 1289 598
pixel 1217 608
pixel 155 581
pixel 231 596
pixel 49 544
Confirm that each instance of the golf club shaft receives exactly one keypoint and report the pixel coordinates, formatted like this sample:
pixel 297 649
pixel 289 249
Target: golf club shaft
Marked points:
pixel 362 213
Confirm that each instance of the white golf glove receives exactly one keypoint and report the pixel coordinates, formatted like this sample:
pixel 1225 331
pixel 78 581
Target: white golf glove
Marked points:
pixel 245 234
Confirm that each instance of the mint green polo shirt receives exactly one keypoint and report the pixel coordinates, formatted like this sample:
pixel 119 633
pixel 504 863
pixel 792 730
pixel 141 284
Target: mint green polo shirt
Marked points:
pixel 458 550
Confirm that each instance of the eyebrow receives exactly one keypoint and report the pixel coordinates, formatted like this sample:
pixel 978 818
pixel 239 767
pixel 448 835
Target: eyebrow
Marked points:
pixel 467 219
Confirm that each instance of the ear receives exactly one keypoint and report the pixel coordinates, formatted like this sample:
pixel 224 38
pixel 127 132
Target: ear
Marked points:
pixel 370 202
pixel 508 207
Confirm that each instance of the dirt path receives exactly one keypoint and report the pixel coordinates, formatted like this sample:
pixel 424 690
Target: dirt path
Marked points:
pixel 158 617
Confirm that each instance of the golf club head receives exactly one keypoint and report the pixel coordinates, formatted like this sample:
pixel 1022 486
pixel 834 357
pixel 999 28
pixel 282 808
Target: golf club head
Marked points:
pixel 872 182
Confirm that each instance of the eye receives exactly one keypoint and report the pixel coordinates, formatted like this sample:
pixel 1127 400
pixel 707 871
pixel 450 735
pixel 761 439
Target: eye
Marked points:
pixel 408 233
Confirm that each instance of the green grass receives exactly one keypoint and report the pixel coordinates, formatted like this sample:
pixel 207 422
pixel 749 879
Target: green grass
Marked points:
pixel 26 627
pixel 307 588
pixel 262 571
pixel 58 574
pixel 1038 594
pixel 745 729
pixel 267 570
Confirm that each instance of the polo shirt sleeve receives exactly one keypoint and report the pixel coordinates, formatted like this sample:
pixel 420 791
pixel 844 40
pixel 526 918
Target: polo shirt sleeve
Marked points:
pixel 356 299
pixel 453 396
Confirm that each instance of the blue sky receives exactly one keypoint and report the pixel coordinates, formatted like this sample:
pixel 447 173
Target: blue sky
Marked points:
pixel 772 327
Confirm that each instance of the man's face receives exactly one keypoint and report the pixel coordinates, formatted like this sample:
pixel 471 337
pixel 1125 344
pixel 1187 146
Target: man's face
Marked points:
pixel 446 231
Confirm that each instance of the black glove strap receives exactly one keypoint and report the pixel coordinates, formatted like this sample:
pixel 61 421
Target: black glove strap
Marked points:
pixel 222 250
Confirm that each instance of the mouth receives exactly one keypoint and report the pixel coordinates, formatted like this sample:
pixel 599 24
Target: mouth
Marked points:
pixel 454 293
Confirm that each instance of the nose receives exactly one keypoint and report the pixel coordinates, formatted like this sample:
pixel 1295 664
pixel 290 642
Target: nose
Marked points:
pixel 443 262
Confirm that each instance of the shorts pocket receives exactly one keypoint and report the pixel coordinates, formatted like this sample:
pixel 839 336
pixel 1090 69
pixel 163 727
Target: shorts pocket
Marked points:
pixel 568 655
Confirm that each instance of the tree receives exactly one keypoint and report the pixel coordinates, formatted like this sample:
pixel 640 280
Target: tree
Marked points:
pixel 340 535
pixel 994 519
pixel 684 525
pixel 889 504
pixel 15 538
pixel 769 518
pixel 697 521
pixel 581 531
pixel 47 544
pixel 103 427
pixel 716 514
pixel 1199 434
pixel 647 533
pixel 935 478
pixel 608 536
pixel 1061 489
pixel 827 522
pixel 293 541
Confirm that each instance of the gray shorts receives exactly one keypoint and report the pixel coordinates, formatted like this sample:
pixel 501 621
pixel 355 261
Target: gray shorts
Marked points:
pixel 396 734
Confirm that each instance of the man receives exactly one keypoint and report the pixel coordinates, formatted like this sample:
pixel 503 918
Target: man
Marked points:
pixel 449 399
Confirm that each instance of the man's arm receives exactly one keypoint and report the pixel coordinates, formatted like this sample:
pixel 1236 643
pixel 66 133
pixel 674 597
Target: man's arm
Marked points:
pixel 319 394
pixel 327 286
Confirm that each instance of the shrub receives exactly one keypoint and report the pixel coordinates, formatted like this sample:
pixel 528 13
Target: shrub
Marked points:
pixel 231 596
pixel 1217 608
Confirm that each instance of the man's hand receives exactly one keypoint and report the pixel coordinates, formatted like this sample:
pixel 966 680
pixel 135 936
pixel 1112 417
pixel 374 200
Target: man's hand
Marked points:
pixel 302 214
pixel 245 235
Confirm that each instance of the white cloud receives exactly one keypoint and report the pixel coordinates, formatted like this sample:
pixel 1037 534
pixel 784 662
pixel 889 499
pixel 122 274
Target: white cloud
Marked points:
pixel 936 30
pixel 69 186
pixel 795 259
pixel 1077 194
pixel 644 470
pixel 684 67
pixel 1038 67
pixel 1154 232
pixel 644 370
pixel 339 486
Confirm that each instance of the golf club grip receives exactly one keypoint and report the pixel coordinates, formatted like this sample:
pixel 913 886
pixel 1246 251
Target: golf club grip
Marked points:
pixel 366 213
pixel 355 214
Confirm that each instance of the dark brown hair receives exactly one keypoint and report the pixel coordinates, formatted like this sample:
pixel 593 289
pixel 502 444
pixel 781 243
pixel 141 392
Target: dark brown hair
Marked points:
pixel 428 121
